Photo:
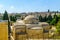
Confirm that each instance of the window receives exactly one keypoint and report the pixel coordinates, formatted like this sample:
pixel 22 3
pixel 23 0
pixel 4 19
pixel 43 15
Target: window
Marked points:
pixel 45 31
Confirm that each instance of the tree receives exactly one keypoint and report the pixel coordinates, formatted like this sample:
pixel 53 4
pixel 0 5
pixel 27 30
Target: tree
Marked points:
pixel 11 18
pixel 49 18
pixel 45 18
pixel 48 10
pixel 53 22
pixel 56 17
pixel 14 19
pixel 57 11
pixel 58 27
pixel 40 18
pixel 5 16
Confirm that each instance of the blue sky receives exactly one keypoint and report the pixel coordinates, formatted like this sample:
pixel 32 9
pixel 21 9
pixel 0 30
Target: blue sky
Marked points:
pixel 29 5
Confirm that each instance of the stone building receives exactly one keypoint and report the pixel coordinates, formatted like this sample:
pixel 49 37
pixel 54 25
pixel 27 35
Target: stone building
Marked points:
pixel 29 28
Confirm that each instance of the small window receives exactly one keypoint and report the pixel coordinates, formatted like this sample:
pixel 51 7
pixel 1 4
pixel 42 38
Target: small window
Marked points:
pixel 45 31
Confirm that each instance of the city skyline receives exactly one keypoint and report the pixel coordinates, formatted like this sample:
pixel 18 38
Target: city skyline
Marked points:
pixel 29 5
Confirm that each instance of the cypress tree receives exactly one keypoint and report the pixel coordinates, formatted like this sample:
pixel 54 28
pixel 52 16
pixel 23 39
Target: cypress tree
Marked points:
pixel 40 18
pixel 45 18
pixel 49 19
pixel 5 16
pixel 11 18
pixel 14 19
pixel 48 10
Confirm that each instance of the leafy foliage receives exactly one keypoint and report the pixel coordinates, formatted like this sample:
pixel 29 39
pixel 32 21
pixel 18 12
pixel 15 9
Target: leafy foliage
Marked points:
pixel 58 27
pixel 53 22
pixel 13 18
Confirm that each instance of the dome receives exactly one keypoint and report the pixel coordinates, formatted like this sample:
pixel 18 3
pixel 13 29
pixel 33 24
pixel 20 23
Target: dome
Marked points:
pixel 31 19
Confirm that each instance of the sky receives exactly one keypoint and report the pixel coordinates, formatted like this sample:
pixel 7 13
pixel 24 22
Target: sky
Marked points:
pixel 29 5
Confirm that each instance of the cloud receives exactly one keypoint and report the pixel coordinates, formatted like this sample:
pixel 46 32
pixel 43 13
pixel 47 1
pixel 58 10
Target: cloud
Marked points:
pixel 1 6
pixel 12 7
